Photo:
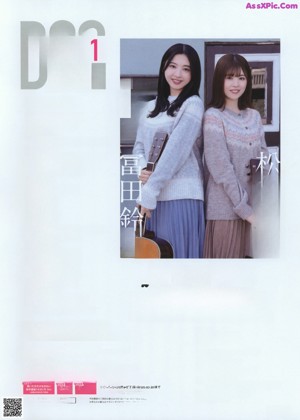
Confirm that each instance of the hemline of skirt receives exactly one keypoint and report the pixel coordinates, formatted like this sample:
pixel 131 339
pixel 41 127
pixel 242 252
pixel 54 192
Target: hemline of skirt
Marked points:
pixel 182 223
pixel 227 239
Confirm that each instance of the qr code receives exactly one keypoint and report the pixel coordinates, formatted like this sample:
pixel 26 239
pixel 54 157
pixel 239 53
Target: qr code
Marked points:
pixel 12 407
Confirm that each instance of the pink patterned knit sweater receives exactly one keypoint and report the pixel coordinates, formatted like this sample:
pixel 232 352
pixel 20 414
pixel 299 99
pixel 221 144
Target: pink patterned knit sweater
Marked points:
pixel 230 141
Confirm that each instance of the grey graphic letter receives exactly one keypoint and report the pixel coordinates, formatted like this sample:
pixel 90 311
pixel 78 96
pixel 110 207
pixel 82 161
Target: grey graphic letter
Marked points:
pixel 34 29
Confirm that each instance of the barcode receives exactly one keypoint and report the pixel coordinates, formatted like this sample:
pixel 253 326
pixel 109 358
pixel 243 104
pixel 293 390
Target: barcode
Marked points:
pixel 12 407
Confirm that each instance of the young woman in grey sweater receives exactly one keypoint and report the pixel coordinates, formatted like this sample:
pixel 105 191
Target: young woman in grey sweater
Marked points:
pixel 172 196
pixel 233 134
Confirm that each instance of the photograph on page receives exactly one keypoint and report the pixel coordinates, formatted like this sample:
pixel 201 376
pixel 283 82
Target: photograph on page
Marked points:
pixel 188 188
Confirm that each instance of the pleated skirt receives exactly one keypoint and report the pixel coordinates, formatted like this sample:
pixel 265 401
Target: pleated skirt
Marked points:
pixel 182 223
pixel 227 239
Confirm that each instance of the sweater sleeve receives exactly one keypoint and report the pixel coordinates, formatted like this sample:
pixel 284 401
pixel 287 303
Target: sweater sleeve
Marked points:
pixel 264 155
pixel 263 144
pixel 139 149
pixel 186 130
pixel 217 159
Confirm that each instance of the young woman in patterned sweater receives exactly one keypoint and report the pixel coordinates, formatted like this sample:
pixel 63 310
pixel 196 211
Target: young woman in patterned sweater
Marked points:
pixel 172 196
pixel 233 134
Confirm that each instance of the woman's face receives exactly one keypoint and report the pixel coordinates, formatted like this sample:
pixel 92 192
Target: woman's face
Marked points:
pixel 235 86
pixel 178 74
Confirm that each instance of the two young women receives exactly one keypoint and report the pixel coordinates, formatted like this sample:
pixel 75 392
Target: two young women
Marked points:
pixel 172 196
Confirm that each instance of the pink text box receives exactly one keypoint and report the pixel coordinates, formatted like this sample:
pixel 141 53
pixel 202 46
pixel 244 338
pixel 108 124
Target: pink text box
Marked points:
pixel 38 387
pixel 85 388
pixel 64 387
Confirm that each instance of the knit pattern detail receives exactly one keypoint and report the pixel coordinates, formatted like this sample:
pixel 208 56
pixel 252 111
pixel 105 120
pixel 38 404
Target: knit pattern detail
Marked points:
pixel 230 141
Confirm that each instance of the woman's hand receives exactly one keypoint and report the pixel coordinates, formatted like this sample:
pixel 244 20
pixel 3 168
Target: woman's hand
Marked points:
pixel 145 211
pixel 144 176
pixel 251 219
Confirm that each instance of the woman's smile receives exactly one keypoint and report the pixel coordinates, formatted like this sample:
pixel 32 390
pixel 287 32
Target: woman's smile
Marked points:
pixel 234 86
pixel 178 74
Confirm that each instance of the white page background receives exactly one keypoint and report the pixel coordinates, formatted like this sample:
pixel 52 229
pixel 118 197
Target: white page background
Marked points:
pixel 220 338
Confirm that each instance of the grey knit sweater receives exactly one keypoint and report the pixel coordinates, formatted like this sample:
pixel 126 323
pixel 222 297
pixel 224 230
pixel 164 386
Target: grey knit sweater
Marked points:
pixel 230 141
pixel 179 172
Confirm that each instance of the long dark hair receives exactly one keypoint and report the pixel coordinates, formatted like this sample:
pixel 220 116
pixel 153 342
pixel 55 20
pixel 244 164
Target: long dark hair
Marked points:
pixel 231 65
pixel 163 90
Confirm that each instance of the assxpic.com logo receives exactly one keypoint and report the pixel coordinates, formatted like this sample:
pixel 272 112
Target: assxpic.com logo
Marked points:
pixel 272 5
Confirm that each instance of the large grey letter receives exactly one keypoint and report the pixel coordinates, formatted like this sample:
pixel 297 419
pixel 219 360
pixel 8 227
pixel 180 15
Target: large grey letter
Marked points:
pixel 38 30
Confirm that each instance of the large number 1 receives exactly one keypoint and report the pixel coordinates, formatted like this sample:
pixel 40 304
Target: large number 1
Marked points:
pixel 95 43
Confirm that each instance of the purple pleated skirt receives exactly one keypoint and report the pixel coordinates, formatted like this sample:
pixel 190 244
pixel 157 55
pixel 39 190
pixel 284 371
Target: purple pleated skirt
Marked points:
pixel 182 223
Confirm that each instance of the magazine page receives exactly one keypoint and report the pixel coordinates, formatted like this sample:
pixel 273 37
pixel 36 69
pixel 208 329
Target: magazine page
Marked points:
pixel 90 329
